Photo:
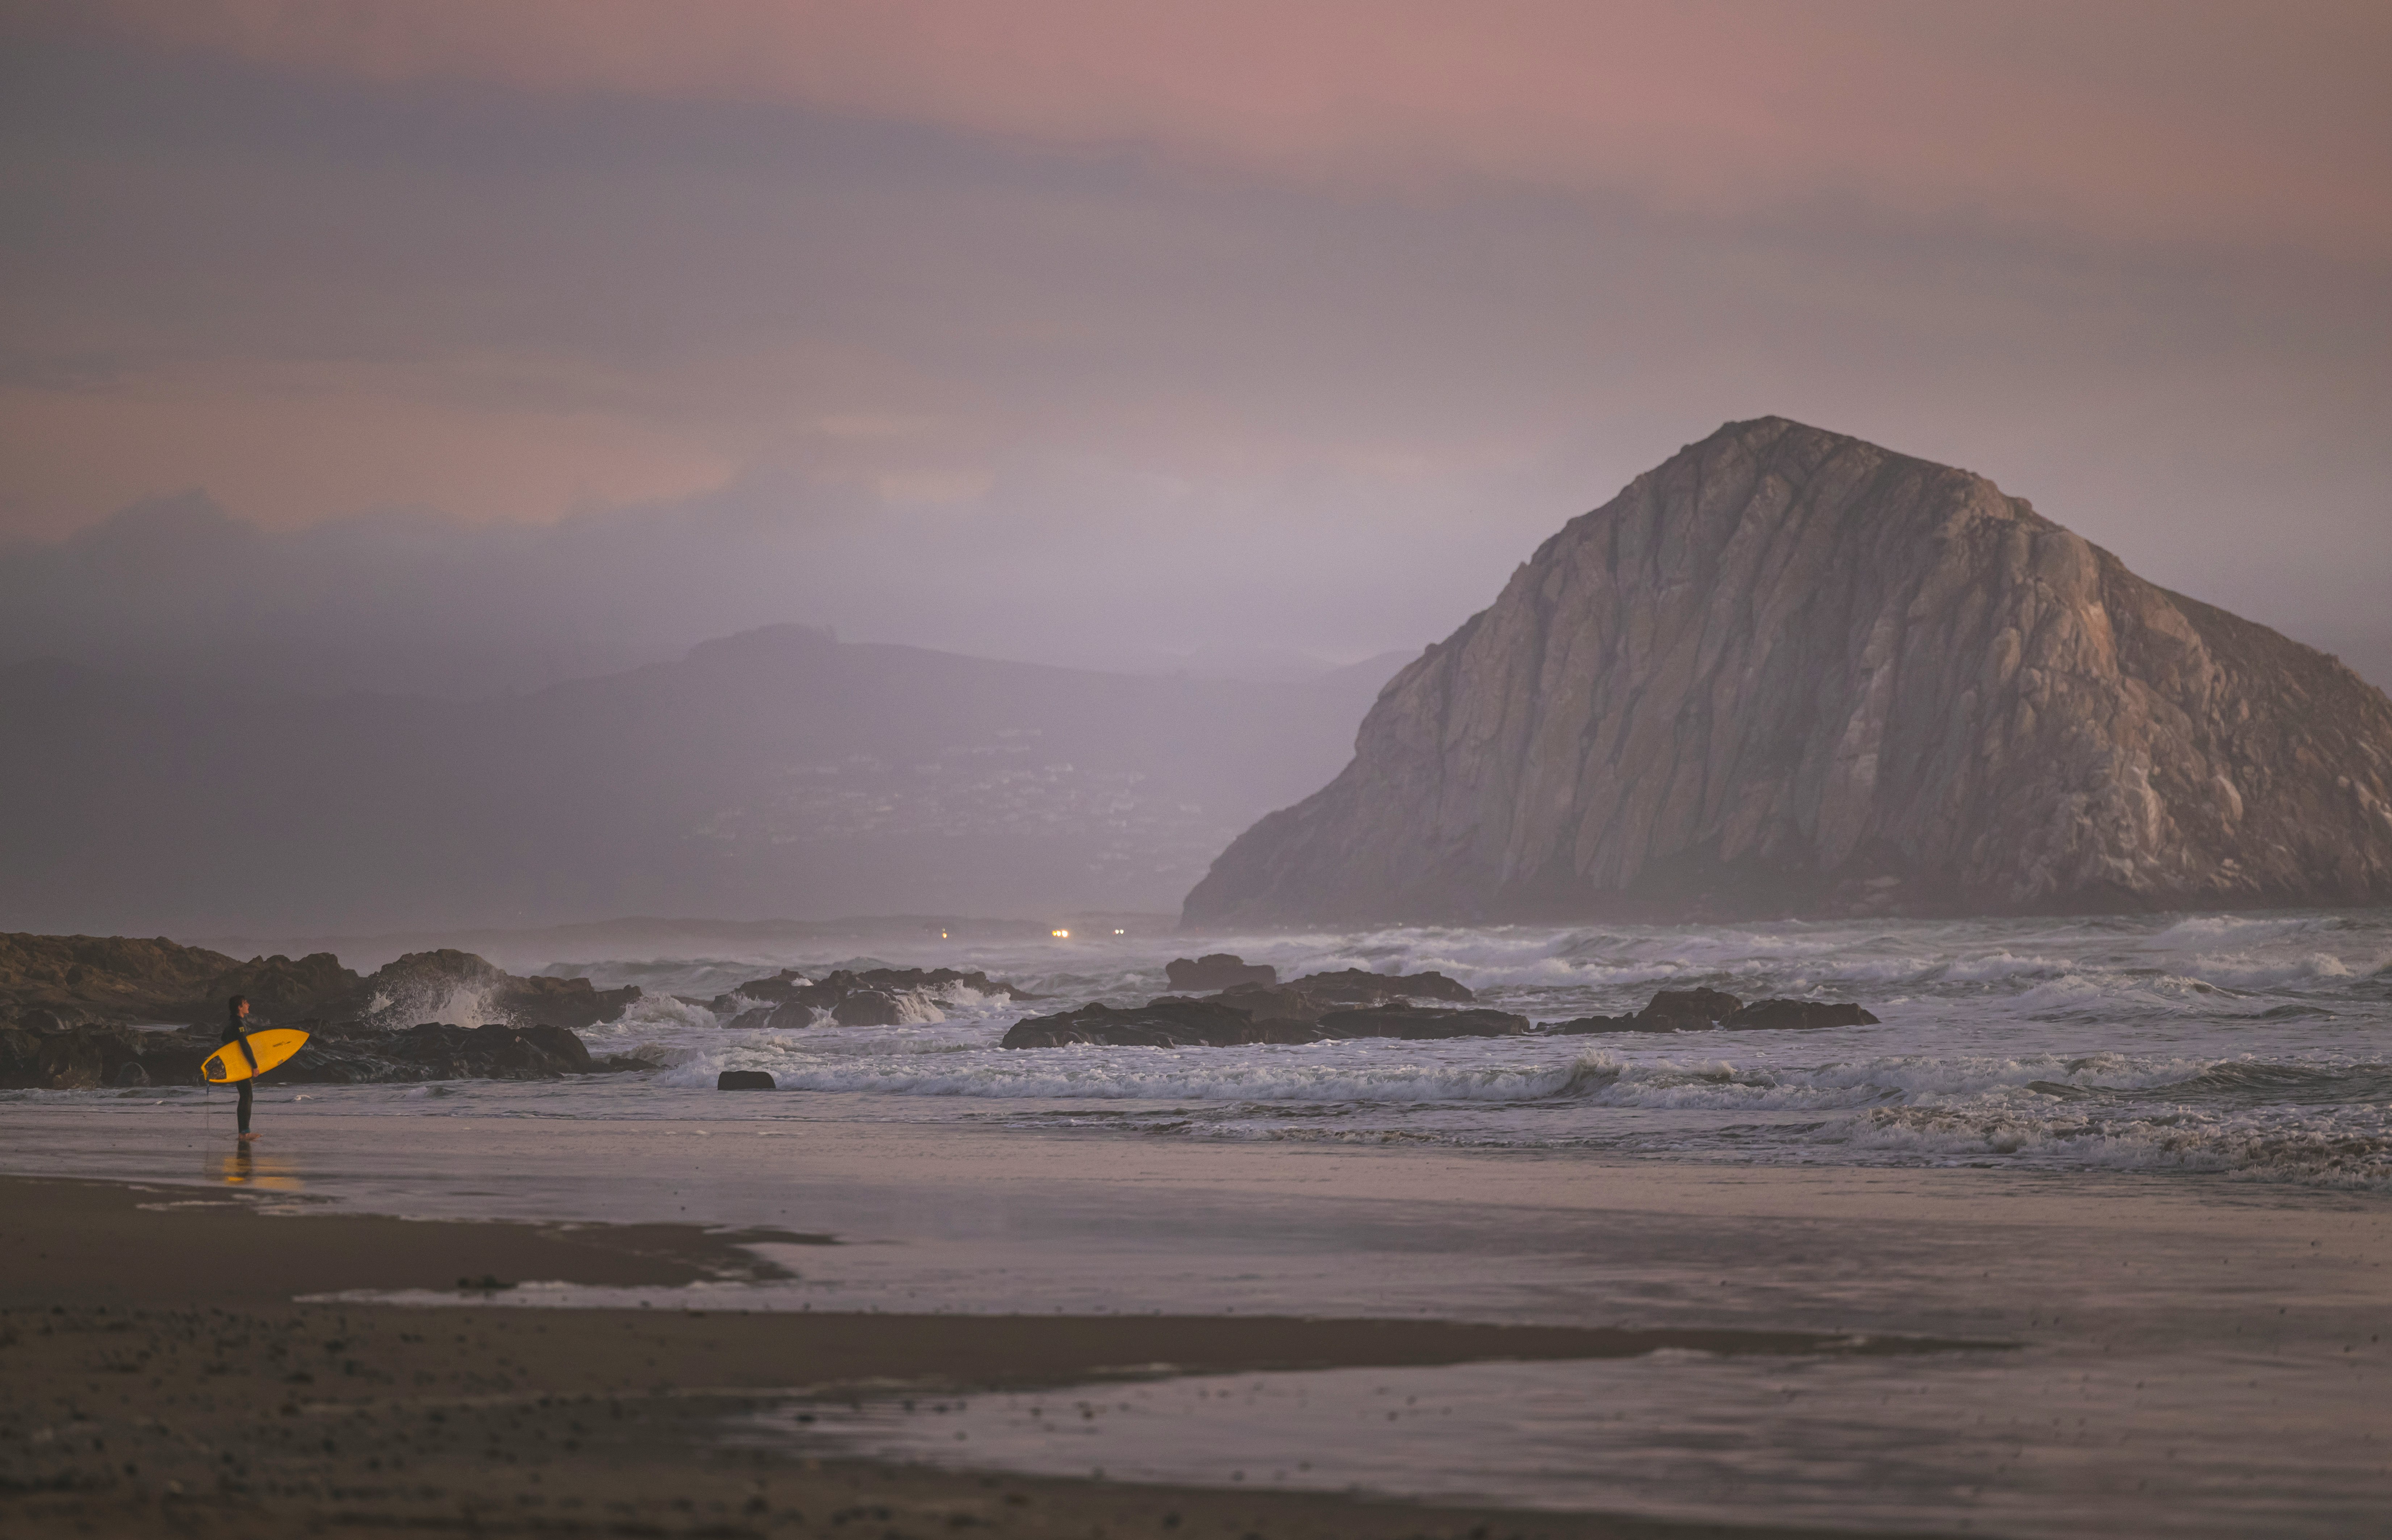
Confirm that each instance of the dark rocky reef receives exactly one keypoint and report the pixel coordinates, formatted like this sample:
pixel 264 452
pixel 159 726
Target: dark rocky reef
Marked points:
pixel 1227 1021
pixel 71 1009
pixel 77 978
pixel 343 1054
pixel 421 982
pixel 1215 971
pixel 1417 1024
pixel 1353 984
pixel 76 1058
pixel 1703 1009
pixel 1308 1000
pixel 127 981
pixel 1791 673
pixel 1168 1023
pixel 876 996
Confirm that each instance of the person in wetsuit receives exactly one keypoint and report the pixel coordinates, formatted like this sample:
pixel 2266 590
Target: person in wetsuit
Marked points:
pixel 235 1032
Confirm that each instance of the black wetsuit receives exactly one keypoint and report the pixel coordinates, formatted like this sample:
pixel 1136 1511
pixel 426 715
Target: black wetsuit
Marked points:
pixel 235 1032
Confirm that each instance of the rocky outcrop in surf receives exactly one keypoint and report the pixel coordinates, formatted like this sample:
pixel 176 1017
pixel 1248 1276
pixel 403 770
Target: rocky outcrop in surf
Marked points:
pixel 1157 1024
pixel 1791 673
pixel 1317 1007
pixel 71 1008
pixel 1217 971
pixel 76 978
pixel 1704 1009
pixel 428 986
pixel 114 978
pixel 872 996
pixel 1220 1022
pixel 89 1057
pixel 1308 1000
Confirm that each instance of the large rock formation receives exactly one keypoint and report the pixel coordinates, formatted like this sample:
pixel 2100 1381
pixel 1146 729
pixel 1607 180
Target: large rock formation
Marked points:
pixel 1790 672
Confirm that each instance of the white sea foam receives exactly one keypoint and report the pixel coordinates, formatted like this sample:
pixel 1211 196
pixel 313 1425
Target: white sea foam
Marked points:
pixel 2246 1045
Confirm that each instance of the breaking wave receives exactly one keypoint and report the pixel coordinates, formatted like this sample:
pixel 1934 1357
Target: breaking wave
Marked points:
pixel 2248 1046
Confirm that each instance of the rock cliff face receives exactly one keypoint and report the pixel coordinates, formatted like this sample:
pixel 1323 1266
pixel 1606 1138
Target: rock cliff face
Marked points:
pixel 1790 672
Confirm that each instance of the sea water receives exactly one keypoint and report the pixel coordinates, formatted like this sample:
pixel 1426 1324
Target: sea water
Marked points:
pixel 2253 1046
pixel 2153 1154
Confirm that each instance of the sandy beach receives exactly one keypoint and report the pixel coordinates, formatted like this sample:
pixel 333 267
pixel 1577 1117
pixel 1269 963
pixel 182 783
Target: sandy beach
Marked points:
pixel 630 1325
pixel 161 1381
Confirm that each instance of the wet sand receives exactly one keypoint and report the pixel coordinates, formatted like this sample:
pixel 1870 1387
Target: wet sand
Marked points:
pixel 163 1380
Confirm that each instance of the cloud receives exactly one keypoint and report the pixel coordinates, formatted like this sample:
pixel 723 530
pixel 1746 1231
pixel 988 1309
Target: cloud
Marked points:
pixel 1179 365
pixel 2133 119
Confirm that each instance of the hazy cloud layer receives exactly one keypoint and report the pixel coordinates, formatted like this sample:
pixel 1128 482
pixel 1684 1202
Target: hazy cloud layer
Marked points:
pixel 1057 331
pixel 2167 117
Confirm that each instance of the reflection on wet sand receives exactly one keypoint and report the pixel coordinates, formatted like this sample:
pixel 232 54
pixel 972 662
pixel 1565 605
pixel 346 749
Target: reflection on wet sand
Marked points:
pixel 243 1167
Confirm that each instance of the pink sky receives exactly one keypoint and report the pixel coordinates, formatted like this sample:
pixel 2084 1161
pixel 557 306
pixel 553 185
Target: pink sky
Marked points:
pixel 2173 119
pixel 1342 275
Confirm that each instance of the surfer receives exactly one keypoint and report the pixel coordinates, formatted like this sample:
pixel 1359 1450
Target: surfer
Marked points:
pixel 235 1032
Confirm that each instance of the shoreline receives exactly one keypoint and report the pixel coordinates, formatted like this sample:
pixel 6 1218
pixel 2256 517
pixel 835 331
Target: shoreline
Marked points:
pixel 165 1381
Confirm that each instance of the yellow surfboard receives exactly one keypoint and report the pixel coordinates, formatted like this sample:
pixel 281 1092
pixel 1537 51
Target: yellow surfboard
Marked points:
pixel 272 1046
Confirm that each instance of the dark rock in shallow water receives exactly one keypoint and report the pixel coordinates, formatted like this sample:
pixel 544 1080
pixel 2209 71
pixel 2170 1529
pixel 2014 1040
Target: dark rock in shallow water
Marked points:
pixel 1693 1008
pixel 869 1008
pixel 1701 1009
pixel 1217 971
pixel 1222 1021
pixel 1166 1023
pixel 1279 1002
pixel 339 1054
pixel 1417 1024
pixel 569 1003
pixel 72 1061
pixel 780 989
pixel 744 1079
pixel 876 996
pixel 435 1051
pixel 1356 985
pixel 422 983
pixel 1805 1014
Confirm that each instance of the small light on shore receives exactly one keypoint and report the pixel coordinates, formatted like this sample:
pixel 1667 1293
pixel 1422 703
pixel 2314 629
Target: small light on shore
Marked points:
pixel 1118 931
pixel 1060 935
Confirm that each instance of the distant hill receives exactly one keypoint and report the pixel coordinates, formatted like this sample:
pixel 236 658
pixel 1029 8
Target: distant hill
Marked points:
pixel 1789 672
pixel 775 772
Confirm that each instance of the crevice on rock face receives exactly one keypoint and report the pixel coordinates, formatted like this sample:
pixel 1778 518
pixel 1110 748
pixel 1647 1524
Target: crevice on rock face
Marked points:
pixel 1792 673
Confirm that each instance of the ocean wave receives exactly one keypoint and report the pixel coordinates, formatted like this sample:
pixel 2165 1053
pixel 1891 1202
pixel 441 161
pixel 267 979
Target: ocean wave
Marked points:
pixel 2207 929
pixel 2352 1150
pixel 2243 972
pixel 2334 1155
pixel 2237 1044
pixel 1147 1075
pixel 1351 1075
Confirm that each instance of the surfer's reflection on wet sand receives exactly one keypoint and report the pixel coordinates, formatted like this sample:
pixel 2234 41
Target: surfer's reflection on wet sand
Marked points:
pixel 245 1168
